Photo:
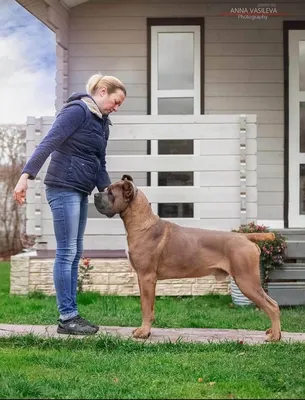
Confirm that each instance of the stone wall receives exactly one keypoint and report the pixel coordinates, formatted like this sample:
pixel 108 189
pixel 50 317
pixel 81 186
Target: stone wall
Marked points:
pixel 109 276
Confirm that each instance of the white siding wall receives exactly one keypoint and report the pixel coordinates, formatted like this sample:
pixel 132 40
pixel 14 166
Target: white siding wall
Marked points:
pixel 243 67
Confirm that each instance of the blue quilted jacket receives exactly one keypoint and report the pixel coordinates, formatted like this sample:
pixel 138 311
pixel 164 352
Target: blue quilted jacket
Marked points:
pixel 77 143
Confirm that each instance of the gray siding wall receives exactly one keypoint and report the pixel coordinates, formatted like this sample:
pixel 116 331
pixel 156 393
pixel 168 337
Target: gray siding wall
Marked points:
pixel 243 69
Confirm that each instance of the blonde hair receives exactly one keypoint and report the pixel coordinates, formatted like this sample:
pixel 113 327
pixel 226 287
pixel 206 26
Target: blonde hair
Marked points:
pixel 111 83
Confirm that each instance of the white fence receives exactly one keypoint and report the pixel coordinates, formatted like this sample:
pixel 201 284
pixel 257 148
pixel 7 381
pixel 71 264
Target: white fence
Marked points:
pixel 224 165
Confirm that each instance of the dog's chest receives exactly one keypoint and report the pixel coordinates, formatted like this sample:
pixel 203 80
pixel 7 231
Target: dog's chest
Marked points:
pixel 127 251
pixel 126 247
pixel 128 255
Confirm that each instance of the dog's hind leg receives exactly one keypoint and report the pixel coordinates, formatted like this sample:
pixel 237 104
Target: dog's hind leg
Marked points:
pixel 147 285
pixel 251 287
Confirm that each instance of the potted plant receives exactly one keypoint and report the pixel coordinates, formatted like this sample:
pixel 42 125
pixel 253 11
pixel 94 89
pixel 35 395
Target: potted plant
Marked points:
pixel 272 256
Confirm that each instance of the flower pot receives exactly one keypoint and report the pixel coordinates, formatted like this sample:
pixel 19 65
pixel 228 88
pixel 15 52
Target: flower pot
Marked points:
pixel 238 297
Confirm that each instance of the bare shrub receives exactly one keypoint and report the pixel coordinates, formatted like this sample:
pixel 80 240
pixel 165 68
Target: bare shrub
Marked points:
pixel 12 216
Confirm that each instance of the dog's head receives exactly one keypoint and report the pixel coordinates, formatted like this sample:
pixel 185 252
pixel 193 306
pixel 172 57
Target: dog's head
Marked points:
pixel 116 197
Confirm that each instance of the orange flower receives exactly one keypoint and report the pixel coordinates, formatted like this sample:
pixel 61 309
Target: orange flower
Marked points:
pixel 86 262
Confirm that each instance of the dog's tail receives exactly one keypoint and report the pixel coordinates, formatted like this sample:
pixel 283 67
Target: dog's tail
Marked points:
pixel 256 237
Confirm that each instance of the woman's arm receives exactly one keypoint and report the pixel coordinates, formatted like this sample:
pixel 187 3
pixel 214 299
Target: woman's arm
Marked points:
pixel 66 123
pixel 103 179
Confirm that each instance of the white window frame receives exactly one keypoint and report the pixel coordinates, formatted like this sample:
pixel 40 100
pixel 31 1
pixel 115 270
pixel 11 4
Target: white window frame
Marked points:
pixel 155 92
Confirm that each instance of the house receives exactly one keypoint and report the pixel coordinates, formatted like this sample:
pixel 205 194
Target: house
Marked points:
pixel 226 80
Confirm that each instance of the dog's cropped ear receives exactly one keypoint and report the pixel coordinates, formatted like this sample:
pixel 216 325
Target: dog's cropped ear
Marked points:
pixel 128 177
pixel 129 191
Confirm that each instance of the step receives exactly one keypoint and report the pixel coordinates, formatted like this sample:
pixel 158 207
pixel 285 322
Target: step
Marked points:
pixel 288 272
pixel 291 231
pixel 287 293
pixel 292 234
pixel 295 249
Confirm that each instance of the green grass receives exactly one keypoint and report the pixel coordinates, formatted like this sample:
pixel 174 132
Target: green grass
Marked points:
pixel 108 367
pixel 212 311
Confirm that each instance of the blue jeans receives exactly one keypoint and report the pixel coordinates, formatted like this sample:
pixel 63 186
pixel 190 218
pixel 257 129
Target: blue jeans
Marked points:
pixel 69 208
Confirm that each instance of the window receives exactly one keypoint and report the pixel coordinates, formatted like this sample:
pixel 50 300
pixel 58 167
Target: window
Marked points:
pixel 175 69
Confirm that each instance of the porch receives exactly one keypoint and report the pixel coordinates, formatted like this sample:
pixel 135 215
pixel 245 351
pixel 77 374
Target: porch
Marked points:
pixel 240 66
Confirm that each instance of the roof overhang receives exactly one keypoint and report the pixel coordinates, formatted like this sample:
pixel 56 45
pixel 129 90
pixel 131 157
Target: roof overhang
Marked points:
pixel 54 14
pixel 39 8
pixel 72 3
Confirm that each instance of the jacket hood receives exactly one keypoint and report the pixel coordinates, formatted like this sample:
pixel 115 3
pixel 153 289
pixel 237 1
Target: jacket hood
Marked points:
pixel 90 103
pixel 78 96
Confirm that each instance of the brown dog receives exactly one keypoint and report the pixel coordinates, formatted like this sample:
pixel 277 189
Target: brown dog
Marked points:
pixel 160 249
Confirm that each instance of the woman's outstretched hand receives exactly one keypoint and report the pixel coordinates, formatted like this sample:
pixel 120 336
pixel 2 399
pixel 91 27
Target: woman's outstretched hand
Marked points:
pixel 20 189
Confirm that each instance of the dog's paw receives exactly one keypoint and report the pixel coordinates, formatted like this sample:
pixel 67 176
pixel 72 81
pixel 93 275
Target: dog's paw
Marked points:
pixel 141 333
pixel 271 337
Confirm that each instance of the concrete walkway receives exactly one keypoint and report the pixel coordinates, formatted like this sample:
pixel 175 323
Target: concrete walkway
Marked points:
pixel 198 335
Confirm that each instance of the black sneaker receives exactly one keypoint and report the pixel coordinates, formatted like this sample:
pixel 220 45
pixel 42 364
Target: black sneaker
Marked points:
pixel 85 321
pixel 75 326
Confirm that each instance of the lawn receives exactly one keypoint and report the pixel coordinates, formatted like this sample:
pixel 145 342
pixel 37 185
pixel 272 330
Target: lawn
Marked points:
pixel 212 311
pixel 108 367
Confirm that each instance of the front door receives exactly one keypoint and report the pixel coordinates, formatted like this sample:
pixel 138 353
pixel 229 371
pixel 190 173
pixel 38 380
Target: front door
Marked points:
pixel 296 205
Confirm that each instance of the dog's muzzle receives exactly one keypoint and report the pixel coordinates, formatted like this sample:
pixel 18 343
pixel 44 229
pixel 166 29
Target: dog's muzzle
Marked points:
pixel 102 204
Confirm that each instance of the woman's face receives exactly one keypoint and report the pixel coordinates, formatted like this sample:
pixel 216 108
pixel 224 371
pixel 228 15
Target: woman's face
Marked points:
pixel 108 103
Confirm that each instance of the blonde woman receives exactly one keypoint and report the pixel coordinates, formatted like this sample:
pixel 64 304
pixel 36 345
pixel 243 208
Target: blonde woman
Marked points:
pixel 77 143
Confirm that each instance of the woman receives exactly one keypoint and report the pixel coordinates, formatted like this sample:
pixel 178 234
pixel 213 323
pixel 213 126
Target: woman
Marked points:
pixel 77 142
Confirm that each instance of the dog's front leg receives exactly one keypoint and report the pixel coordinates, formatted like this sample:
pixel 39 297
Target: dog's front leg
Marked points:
pixel 147 285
